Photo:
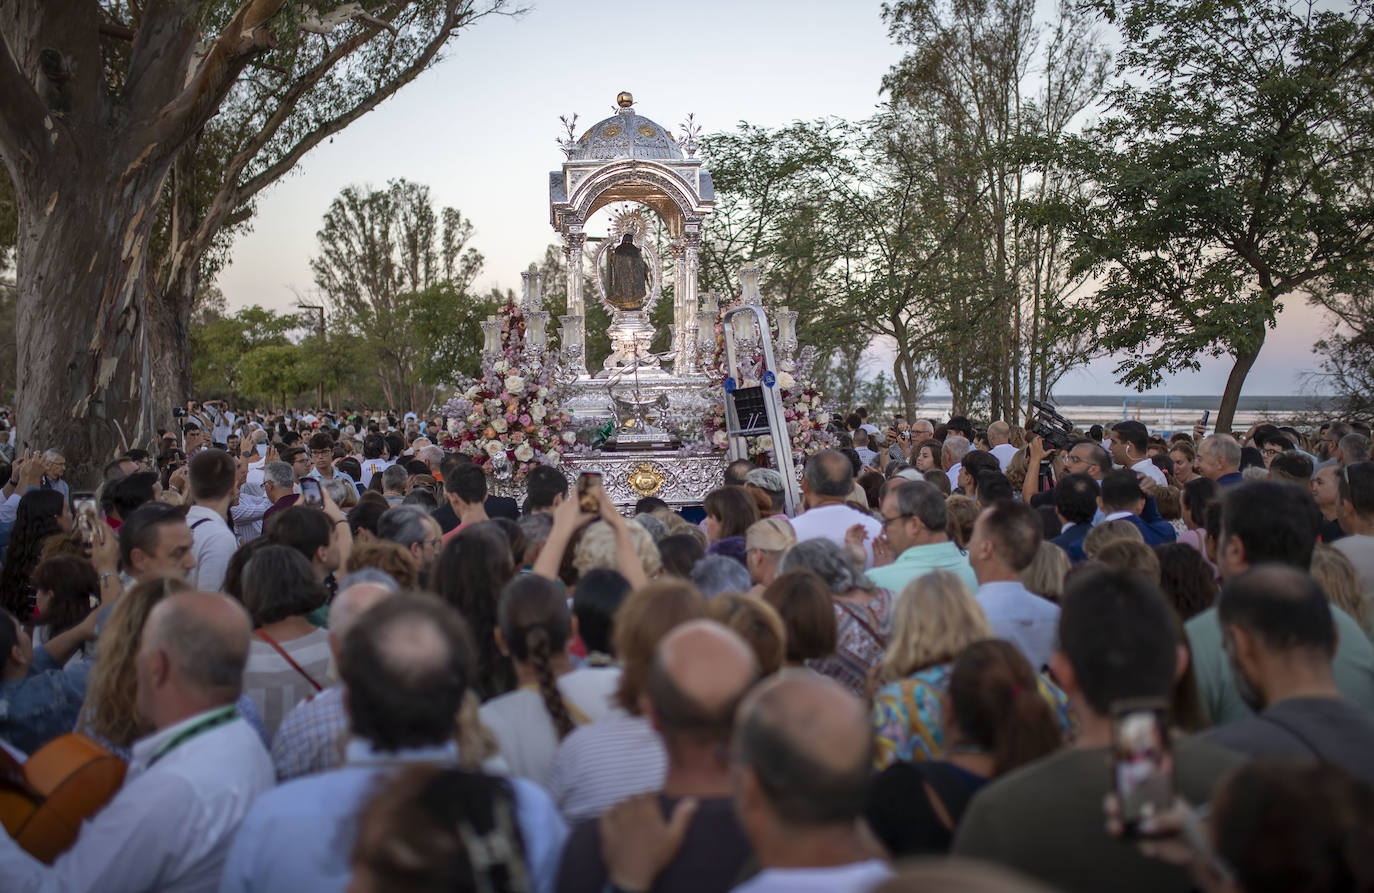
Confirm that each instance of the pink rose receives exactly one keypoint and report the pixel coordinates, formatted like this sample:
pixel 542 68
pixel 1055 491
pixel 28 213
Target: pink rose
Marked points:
pixel 504 396
pixel 510 418
pixel 525 418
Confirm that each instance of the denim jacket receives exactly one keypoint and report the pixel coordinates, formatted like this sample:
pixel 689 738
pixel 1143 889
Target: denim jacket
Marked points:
pixel 44 704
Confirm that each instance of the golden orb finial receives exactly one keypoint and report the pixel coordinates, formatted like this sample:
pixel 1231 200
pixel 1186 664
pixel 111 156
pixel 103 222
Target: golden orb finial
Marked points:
pixel 625 99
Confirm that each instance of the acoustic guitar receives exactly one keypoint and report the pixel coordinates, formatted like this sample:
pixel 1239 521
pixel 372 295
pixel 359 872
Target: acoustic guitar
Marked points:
pixel 44 801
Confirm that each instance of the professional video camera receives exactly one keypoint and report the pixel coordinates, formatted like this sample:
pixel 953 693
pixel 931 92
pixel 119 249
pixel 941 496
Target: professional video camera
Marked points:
pixel 1050 426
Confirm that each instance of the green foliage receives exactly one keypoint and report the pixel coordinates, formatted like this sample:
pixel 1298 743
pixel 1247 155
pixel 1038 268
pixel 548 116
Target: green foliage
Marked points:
pixel 247 358
pixel 1234 171
pixel 396 274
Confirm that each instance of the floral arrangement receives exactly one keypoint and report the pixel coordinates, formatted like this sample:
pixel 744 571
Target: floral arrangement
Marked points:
pixel 508 419
pixel 804 407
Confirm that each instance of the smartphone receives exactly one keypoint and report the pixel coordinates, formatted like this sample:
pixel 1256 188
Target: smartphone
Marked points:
pixel 87 516
pixel 311 494
pixel 262 450
pixel 1206 414
pixel 587 481
pixel 1142 760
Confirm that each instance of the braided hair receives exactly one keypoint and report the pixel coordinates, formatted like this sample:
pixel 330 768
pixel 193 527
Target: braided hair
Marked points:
pixel 431 829
pixel 536 626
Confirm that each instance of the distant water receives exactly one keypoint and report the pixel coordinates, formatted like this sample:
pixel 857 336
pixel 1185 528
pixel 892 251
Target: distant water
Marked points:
pixel 1161 414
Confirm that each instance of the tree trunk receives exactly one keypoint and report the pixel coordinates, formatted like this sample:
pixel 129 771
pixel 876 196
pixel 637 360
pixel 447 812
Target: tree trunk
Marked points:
pixel 1245 359
pixel 83 315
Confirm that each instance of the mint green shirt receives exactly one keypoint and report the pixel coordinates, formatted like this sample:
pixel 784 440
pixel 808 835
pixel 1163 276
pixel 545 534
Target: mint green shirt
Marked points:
pixel 1353 666
pixel 921 560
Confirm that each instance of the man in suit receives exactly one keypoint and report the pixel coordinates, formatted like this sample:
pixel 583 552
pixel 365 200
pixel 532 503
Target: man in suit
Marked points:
pixel 1075 502
pixel 1122 498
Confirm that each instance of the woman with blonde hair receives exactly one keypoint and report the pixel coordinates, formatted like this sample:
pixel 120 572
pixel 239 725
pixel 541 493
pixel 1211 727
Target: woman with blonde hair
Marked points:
pixel 764 543
pixel 961 512
pixel 110 713
pixel 1109 532
pixel 936 618
pixel 1045 575
pixel 1336 575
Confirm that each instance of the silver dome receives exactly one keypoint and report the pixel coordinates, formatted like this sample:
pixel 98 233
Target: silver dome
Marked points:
pixel 626 135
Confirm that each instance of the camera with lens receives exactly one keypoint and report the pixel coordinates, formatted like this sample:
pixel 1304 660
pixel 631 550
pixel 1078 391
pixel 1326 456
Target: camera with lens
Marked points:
pixel 178 412
pixel 1050 426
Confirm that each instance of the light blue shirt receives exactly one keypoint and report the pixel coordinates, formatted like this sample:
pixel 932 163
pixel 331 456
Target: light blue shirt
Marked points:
pixel 299 836
pixel 1022 618
pixel 918 561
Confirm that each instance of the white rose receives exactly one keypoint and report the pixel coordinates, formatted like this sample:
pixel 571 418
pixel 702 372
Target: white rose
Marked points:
pixel 553 456
pixel 499 424
pixel 537 411
pixel 471 392
pixel 820 418
pixel 453 426
pixel 720 438
pixel 515 384
pixel 524 453
pixel 786 381
pixel 495 448
pixel 542 393
pixel 500 367
pixel 765 442
pixel 570 437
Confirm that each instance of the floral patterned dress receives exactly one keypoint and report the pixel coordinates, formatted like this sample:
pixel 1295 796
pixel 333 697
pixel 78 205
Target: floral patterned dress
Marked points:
pixel 861 635
pixel 906 715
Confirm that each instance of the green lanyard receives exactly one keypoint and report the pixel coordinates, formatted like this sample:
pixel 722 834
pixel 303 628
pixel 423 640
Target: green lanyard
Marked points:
pixel 226 714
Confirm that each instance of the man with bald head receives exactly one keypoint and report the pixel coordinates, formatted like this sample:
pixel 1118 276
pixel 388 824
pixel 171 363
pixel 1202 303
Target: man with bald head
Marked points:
pixel 310 736
pixel 685 837
pixel 826 484
pixel 999 440
pixel 803 749
pixel 406 665
pixel 189 784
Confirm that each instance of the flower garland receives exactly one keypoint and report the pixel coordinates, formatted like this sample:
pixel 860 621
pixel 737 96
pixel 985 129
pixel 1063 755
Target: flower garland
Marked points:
pixel 508 419
pixel 803 405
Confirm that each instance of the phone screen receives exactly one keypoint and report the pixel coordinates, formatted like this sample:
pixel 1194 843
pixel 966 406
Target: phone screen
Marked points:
pixel 586 482
pixel 87 515
pixel 310 492
pixel 1142 761
pixel 262 449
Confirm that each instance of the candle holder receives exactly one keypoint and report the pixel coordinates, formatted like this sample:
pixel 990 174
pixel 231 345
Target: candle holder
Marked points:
pixel 536 330
pixel 491 332
pixel 710 303
pixel 787 331
pixel 749 285
pixel 570 341
pixel 533 285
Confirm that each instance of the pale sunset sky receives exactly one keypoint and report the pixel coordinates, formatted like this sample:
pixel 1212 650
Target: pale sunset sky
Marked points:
pixel 479 130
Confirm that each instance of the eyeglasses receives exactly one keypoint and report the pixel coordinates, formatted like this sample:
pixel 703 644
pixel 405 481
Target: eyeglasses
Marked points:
pixel 887 521
pixel 322 454
pixel 436 543
pixel 1272 452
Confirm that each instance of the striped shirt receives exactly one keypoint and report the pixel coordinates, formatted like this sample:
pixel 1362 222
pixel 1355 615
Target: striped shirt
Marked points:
pixel 599 765
pixel 274 685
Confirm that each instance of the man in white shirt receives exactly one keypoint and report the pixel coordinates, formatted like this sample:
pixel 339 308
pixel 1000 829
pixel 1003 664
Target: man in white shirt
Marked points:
pixel 826 484
pixel 999 438
pixel 803 751
pixel 213 477
pixel 375 458
pixel 190 783
pixel 1004 542
pixel 1130 440
pixel 322 458
pixel 952 455
pixel 405 671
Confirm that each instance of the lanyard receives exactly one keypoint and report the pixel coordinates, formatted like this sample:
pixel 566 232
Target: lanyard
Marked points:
pixel 226 714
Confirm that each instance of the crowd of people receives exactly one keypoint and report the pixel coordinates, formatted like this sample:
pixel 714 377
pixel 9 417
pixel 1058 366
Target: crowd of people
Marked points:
pixel 332 659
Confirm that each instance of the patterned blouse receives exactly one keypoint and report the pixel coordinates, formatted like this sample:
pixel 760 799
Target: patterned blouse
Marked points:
pixel 861 636
pixel 906 714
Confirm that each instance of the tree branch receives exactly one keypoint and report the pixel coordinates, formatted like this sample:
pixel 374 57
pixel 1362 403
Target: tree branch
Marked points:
pixel 243 37
pixel 21 124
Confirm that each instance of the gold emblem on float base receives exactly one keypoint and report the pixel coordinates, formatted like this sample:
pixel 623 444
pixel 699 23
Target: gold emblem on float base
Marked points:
pixel 646 479
pixel 613 130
